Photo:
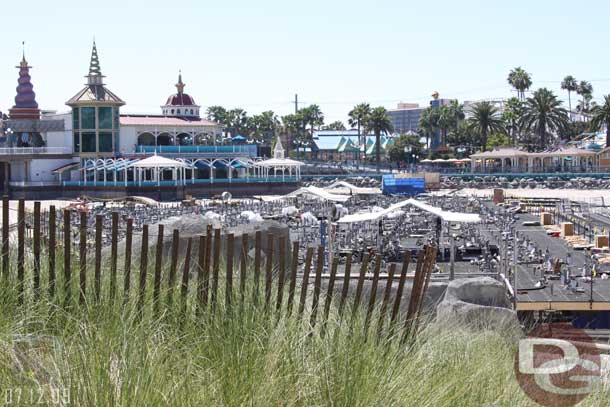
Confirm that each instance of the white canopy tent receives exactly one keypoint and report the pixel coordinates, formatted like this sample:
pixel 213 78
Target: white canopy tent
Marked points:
pixel 345 188
pixel 317 193
pixel 156 165
pixel 445 215
pixel 278 163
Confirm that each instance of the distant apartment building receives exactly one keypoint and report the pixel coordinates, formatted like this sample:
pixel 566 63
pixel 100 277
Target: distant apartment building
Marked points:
pixel 405 117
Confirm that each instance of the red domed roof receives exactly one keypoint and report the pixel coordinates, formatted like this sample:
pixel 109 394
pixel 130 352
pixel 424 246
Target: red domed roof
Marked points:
pixel 180 99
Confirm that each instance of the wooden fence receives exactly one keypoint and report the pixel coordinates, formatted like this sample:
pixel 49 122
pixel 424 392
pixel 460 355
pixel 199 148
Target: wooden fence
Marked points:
pixel 269 276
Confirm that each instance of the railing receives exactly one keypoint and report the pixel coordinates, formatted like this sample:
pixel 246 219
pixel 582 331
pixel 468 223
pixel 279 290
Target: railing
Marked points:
pixel 239 149
pixel 33 183
pixel 172 183
pixel 34 150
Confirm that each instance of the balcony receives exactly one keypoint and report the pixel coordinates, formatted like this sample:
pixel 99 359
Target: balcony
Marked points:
pixel 248 150
pixel 23 152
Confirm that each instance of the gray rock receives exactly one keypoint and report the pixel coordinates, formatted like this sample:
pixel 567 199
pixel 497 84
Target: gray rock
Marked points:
pixel 479 302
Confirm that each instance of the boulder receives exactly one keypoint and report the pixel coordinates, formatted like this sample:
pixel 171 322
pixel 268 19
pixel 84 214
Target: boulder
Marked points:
pixel 479 302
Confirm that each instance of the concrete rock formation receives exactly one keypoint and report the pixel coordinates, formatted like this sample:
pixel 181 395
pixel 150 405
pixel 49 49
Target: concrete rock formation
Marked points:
pixel 479 302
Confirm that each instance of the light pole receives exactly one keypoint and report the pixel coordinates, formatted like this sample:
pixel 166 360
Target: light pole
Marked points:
pixel 408 150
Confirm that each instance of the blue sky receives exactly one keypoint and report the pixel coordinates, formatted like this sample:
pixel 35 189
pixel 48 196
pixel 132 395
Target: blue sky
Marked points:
pixel 257 55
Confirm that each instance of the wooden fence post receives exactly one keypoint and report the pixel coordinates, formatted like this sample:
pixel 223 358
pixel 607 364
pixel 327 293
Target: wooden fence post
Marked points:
pixel 127 276
pixel 185 275
pixel 52 249
pixel 5 236
pixel 317 286
pixel 346 278
pixel 293 277
pixel 243 267
pixel 36 249
pixel 207 263
pixel 363 269
pixel 83 257
pixel 114 254
pixel 21 250
pixel 158 266
pixel 143 267
pixel 200 275
pixel 67 258
pixel 99 226
pixel 257 264
pixel 386 299
pixel 229 272
pixel 215 269
pixel 269 270
pixel 330 289
pixel 173 266
pixel 373 296
pixel 281 276
pixel 305 281
pixel 399 290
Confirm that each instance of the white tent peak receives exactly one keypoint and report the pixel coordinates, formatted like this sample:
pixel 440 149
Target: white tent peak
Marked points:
pixel 157 161
pixel 278 150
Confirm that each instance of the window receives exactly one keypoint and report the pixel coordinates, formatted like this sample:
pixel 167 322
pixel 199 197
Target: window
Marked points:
pixel 117 116
pixel 172 111
pixel 178 111
pixel 192 112
pixel 88 142
pixel 104 117
pixel 76 142
pixel 87 117
pixel 75 116
pixel 105 142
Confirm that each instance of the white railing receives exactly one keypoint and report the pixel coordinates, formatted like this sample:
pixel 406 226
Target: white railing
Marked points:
pixel 34 183
pixel 34 150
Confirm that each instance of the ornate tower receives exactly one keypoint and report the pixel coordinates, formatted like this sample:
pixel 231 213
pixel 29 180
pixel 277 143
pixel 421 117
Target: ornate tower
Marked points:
pixel 181 104
pixel 25 101
pixel 95 115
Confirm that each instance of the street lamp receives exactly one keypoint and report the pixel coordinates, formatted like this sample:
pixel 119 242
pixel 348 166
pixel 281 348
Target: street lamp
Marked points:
pixel 408 150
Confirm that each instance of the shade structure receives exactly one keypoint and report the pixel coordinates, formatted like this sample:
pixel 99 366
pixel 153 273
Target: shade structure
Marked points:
pixel 157 161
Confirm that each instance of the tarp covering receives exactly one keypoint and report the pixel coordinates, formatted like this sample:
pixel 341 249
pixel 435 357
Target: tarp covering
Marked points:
pixel 445 215
pixel 317 193
pixel 342 187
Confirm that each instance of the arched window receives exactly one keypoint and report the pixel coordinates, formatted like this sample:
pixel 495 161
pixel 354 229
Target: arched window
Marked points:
pixel 172 111
pixel 178 111
pixel 192 112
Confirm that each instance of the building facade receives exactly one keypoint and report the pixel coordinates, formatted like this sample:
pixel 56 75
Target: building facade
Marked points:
pixel 405 118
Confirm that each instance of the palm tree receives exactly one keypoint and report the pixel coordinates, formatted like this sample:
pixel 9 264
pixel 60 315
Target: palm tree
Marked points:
pixel 519 79
pixel 336 125
pixel 484 120
pixel 237 121
pixel 358 116
pixel 379 122
pixel 569 83
pixel 427 124
pixel 217 114
pixel 513 111
pixel 585 90
pixel 544 115
pixel 600 117
pixel 312 116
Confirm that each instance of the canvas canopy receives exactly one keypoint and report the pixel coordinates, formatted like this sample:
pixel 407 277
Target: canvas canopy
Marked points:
pixel 445 215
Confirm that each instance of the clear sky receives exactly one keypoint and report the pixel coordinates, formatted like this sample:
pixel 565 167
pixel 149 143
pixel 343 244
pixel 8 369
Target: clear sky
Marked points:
pixel 258 54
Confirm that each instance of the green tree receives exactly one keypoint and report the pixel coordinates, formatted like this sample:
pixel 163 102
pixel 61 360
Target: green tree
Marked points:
pixel 336 125
pixel 600 117
pixel 570 84
pixel 358 117
pixel 544 115
pixel 519 79
pixel 497 140
pixel 379 122
pixel 428 122
pixel 396 152
pixel 262 127
pixel 292 125
pixel 484 120
pixel 237 122
pixel 513 112
pixel 217 114
pixel 585 90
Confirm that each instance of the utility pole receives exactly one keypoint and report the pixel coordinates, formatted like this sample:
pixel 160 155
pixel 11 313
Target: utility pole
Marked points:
pixel 296 103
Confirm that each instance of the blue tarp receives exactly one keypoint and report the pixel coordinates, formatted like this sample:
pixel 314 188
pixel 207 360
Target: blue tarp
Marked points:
pixel 391 185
